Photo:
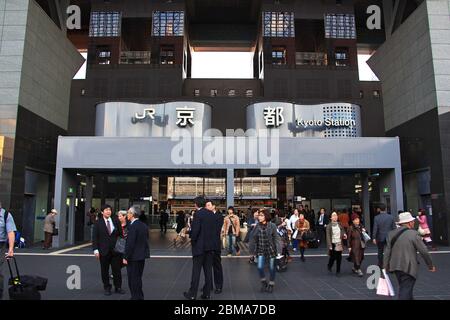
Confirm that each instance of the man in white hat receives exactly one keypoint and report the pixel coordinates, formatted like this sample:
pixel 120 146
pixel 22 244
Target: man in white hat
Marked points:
pixel 49 228
pixel 401 255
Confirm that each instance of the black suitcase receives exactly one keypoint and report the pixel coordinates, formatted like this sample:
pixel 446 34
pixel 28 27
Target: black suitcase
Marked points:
pixel 24 288
pixel 281 264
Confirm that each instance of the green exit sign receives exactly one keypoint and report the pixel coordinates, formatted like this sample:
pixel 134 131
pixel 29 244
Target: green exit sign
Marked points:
pixel 386 190
pixel 70 190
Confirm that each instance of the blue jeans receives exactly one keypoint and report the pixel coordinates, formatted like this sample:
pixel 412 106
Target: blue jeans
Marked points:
pixel 272 271
pixel 294 244
pixel 232 244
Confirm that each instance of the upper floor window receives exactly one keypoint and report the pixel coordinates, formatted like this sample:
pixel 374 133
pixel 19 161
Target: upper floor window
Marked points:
pixel 341 57
pixel 167 55
pixel 103 55
pixel 340 26
pixel 168 23
pixel 105 24
pixel 278 55
pixel 278 24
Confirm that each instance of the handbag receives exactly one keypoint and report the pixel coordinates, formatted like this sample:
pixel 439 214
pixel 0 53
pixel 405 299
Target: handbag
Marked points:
pixel 365 236
pixel 55 231
pixel 294 236
pixel 423 232
pixel 120 245
pixel 224 242
pixel 308 235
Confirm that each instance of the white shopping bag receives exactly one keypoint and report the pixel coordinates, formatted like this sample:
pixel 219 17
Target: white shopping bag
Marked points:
pixel 389 283
pixel 384 287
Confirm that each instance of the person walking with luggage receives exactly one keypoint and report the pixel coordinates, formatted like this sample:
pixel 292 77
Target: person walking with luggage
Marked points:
pixel 424 229
pixel 104 238
pixel 302 226
pixel 356 244
pixel 136 251
pixel 7 239
pixel 266 245
pixel 335 235
pixel 217 261
pixel 383 223
pixel 203 239
pixel 231 229
pixel 400 258
pixel 49 228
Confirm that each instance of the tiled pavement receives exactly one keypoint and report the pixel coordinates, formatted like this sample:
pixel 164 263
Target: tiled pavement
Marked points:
pixel 167 275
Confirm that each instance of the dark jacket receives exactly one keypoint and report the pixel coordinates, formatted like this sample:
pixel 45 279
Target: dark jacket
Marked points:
pixel 383 223
pixel 137 248
pixel 164 217
pixel 356 242
pixel 403 255
pixel 326 220
pixel 274 238
pixel 203 232
pixel 219 224
pixel 101 240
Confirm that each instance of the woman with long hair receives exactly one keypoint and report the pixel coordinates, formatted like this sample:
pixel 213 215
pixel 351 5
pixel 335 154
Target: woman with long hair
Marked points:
pixel 265 244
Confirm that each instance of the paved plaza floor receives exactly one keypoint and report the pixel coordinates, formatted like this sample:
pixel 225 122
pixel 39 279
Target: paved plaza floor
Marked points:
pixel 167 274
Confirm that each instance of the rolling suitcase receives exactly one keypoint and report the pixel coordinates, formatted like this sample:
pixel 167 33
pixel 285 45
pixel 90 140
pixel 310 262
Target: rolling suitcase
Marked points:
pixel 25 287
pixel 281 264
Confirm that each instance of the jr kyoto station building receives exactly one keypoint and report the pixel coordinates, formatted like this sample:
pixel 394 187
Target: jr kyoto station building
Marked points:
pixel 250 103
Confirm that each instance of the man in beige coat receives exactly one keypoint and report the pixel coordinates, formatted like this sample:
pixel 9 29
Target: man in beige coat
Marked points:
pixel 49 228
pixel 400 257
pixel 231 230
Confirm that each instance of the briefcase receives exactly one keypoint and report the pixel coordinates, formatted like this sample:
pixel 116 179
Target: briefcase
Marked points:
pixel 24 287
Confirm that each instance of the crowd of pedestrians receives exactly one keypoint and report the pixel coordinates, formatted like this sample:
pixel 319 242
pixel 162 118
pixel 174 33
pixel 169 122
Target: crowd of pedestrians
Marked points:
pixel 122 240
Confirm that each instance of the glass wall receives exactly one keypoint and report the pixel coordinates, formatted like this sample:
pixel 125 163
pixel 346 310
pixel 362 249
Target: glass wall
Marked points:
pixel 168 23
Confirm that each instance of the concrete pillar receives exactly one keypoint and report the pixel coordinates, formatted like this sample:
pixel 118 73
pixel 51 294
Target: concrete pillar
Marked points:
pixel 66 217
pixel 392 180
pixel 88 205
pixel 365 197
pixel 281 193
pixel 230 187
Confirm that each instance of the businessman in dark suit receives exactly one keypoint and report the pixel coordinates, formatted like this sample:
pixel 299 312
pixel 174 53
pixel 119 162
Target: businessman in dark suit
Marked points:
pixel 383 223
pixel 203 241
pixel 217 260
pixel 104 237
pixel 136 251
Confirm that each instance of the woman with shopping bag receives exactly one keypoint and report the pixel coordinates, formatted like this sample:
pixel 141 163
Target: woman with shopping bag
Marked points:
pixel 356 244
